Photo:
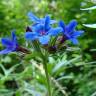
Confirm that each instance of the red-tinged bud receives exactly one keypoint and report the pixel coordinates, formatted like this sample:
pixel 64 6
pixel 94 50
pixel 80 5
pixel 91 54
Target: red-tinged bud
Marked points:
pixel 52 49
pixel 28 29
pixel 23 50
pixel 62 39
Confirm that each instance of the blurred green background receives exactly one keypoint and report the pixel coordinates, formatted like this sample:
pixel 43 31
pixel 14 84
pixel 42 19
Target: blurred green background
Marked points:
pixel 73 71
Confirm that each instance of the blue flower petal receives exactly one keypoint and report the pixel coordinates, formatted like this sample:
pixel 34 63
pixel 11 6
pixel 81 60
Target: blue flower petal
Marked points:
pixel 77 33
pixel 44 39
pixel 61 24
pixel 31 36
pixel 71 26
pixel 38 27
pixel 6 42
pixel 14 38
pixel 47 23
pixel 74 41
pixel 13 35
pixel 42 20
pixel 5 51
pixel 55 31
pixel 33 18
pixel 53 21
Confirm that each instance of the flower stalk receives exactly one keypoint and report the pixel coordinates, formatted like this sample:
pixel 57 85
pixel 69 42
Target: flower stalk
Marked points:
pixel 44 56
pixel 48 78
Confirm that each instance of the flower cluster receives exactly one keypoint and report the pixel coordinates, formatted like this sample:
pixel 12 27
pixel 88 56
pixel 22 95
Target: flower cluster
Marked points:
pixel 42 31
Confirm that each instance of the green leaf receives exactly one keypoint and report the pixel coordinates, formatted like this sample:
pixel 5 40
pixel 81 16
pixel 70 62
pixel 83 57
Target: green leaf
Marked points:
pixel 90 25
pixel 90 8
pixel 63 63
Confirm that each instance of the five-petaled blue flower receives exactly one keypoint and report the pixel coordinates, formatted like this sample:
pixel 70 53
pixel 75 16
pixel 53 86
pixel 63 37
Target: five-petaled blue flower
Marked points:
pixel 42 31
pixel 69 31
pixel 10 44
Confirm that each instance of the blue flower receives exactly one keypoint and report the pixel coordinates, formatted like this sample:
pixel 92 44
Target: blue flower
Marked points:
pixel 69 31
pixel 37 20
pixel 10 44
pixel 42 31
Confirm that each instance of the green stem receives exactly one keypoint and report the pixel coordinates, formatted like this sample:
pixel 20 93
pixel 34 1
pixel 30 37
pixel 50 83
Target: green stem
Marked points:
pixel 48 79
pixel 44 58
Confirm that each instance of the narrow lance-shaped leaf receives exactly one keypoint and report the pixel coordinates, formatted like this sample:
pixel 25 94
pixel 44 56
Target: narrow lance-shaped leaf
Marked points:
pixel 90 8
pixel 90 25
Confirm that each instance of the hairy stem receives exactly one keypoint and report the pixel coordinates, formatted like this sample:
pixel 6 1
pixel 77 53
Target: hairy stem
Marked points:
pixel 48 78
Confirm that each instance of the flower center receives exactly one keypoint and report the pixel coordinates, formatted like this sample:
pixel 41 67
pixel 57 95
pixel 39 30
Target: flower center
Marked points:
pixel 42 33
